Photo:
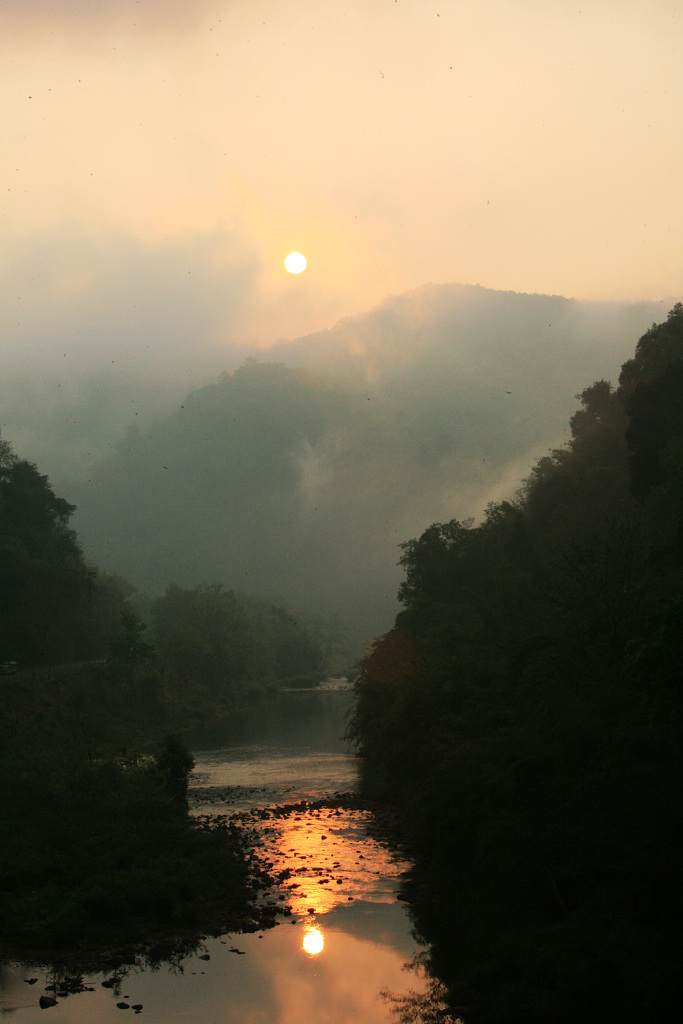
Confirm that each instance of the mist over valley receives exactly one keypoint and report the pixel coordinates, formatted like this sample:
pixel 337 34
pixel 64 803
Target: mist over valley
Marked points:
pixel 296 472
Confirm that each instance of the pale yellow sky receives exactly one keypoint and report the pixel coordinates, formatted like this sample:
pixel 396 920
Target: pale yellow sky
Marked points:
pixel 167 156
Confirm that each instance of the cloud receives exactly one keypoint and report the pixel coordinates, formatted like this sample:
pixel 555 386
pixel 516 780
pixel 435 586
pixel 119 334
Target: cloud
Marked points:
pixel 77 300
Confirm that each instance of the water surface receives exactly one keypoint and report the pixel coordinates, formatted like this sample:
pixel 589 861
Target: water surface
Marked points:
pixel 347 938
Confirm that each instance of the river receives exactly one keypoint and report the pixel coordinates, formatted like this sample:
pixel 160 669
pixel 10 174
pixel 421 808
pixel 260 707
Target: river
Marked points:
pixel 347 939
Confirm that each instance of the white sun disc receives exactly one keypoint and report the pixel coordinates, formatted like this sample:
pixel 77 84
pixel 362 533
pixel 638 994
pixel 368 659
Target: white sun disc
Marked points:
pixel 295 263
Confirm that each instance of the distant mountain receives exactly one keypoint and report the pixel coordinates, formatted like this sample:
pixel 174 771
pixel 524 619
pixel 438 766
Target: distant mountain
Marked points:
pixel 473 329
pixel 299 478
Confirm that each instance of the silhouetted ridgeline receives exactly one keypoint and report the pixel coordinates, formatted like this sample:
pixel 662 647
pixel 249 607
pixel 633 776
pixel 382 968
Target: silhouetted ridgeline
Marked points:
pixel 297 477
pixel 525 716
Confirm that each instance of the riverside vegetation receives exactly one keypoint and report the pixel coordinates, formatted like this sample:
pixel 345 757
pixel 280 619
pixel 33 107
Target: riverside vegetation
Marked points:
pixel 524 715
pixel 101 855
pixel 98 848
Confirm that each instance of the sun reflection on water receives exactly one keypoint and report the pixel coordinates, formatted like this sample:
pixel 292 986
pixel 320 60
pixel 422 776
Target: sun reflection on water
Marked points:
pixel 329 860
pixel 313 941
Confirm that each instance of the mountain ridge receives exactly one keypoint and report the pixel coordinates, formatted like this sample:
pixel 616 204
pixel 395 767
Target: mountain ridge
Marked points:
pixel 299 473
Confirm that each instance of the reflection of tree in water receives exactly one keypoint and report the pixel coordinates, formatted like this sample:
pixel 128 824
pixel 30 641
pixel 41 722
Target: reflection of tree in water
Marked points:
pixel 429 1007
pixel 421 1007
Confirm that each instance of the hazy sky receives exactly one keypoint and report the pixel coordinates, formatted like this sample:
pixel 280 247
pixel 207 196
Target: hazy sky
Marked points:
pixel 161 157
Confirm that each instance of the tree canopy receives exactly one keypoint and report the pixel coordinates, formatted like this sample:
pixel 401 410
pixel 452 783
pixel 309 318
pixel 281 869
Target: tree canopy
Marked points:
pixel 54 607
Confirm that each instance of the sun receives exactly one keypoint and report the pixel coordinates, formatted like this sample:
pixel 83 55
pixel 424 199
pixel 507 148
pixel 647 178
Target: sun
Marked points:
pixel 295 263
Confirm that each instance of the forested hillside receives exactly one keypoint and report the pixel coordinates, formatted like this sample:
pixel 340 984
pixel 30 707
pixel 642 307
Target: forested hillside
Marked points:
pixel 300 480
pixel 525 716
pixel 98 849
pixel 208 644
pixel 54 606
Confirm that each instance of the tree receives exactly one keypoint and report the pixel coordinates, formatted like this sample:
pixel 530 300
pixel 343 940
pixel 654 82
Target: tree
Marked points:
pixel 44 582
pixel 202 635
pixel 129 650
pixel 655 413
pixel 661 345
pixel 175 763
